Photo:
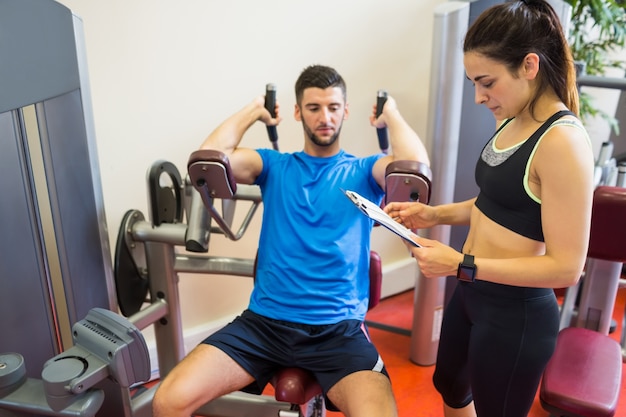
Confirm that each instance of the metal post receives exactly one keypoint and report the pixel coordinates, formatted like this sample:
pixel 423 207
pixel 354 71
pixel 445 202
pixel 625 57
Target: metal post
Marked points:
pixel 450 25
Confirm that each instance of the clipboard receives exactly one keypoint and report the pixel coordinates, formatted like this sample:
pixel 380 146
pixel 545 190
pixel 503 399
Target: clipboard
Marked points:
pixel 374 212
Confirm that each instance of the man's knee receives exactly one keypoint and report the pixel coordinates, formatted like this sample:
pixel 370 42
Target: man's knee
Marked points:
pixel 165 404
pixel 173 398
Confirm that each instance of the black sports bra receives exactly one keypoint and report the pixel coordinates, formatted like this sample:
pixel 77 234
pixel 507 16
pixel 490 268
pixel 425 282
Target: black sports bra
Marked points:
pixel 503 195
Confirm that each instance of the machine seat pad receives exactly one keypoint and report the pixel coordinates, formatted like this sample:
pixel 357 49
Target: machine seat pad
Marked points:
pixel 211 174
pixel 583 376
pixel 295 385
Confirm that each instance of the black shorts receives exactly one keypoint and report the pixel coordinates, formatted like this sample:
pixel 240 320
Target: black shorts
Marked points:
pixel 262 346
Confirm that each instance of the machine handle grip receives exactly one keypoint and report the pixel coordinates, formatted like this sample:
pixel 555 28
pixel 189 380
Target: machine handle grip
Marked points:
pixel 270 105
pixel 383 139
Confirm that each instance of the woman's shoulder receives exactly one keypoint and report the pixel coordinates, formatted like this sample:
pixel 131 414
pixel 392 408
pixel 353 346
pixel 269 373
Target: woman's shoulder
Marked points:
pixel 569 127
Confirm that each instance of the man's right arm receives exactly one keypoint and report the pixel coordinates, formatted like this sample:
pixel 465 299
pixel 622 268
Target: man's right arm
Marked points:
pixel 246 163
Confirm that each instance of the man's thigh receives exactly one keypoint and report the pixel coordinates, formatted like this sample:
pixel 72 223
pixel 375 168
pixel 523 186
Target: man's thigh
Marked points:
pixel 203 375
pixel 364 393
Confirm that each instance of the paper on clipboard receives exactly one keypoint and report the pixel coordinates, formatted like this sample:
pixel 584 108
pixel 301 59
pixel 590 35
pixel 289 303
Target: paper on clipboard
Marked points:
pixel 374 212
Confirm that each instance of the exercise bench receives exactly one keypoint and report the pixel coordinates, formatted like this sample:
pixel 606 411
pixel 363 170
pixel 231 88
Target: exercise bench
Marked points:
pixel 583 377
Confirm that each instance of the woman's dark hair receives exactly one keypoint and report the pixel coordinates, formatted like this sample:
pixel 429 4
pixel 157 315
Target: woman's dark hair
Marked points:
pixel 509 31
pixel 318 76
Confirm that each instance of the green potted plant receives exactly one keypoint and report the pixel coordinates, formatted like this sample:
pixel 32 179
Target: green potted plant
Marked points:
pixel 597 31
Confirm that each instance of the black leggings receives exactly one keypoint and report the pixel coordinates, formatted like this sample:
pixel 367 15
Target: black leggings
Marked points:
pixel 495 343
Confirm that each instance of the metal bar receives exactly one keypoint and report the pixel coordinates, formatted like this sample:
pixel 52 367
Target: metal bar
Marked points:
pixel 602 82
pixel 214 265
pixel 150 314
pixel 170 233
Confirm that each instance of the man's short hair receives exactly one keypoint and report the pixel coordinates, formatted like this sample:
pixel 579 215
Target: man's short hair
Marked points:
pixel 318 76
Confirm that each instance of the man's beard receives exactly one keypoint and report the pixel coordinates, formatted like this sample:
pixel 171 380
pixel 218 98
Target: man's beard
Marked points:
pixel 316 140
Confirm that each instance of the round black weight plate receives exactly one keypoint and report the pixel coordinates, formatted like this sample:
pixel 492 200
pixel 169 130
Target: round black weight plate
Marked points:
pixel 131 285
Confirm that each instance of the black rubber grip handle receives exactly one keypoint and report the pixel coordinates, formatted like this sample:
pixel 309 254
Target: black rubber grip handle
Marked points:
pixel 270 105
pixel 383 138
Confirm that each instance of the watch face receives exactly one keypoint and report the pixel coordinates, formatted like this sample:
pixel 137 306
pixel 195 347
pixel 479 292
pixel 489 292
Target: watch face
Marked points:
pixel 466 273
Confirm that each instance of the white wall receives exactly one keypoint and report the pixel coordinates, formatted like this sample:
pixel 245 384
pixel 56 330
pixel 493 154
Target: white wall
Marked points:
pixel 164 73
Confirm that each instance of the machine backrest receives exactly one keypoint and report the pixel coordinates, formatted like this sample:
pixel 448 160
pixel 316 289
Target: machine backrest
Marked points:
pixel 376 279
pixel 608 224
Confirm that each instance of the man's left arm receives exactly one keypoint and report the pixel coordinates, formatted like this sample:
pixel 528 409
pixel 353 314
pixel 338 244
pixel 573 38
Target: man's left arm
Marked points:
pixel 404 142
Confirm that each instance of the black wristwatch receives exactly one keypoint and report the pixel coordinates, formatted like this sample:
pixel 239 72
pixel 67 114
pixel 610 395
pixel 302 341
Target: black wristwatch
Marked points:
pixel 467 269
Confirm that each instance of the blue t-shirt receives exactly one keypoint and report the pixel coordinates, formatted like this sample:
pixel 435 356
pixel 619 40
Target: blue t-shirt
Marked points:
pixel 313 256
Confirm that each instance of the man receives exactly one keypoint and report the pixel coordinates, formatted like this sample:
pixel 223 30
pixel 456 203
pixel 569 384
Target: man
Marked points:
pixel 312 279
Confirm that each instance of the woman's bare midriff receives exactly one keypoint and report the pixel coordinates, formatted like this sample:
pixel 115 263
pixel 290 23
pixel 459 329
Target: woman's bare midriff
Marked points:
pixel 488 239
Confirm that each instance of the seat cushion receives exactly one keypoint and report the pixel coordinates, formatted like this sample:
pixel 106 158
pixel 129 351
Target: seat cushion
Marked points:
pixel 295 385
pixel 583 376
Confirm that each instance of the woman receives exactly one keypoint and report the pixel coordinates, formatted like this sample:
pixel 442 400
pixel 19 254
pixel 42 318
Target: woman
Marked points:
pixel 529 225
